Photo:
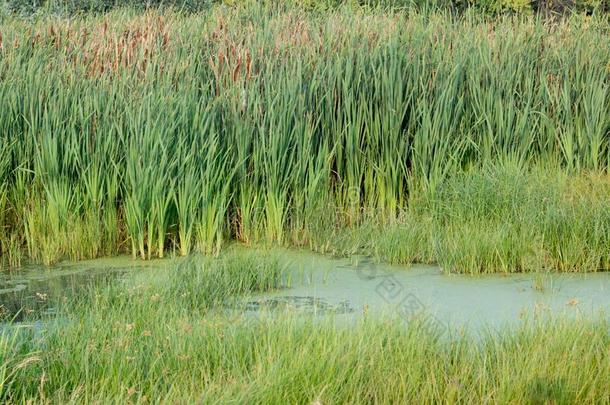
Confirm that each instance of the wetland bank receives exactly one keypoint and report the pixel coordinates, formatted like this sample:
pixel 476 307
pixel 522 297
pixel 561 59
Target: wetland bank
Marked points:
pixel 270 326
pixel 165 175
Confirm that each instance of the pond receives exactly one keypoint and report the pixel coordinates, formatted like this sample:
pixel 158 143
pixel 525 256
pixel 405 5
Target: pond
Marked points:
pixel 350 288
pixel 359 286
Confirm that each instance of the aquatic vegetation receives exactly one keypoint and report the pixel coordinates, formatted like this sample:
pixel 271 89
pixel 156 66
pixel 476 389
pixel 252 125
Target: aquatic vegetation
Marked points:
pixel 501 218
pixel 158 131
pixel 197 288
pixel 522 216
pixel 4 165
pixel 143 343
pixel 178 334
pixel 409 134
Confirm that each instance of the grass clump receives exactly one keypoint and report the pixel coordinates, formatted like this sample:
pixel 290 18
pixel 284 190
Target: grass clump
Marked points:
pixel 511 219
pixel 195 287
pixel 499 218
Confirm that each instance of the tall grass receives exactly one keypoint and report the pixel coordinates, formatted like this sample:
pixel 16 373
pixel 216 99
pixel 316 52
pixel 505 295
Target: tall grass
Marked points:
pixel 4 169
pixel 156 131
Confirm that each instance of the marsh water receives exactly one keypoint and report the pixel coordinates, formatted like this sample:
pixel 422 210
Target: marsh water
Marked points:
pixel 358 286
pixel 349 287
pixel 33 292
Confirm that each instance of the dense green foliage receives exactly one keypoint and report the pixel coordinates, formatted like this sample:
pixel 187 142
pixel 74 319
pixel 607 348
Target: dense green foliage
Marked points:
pixel 490 7
pixel 410 131
pixel 151 132
pixel 500 218
pixel 160 341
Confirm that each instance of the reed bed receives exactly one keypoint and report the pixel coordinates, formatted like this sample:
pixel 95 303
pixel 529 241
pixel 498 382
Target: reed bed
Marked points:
pixel 155 132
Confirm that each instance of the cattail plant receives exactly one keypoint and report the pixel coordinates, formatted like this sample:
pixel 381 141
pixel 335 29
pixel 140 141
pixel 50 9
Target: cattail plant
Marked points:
pixel 152 132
